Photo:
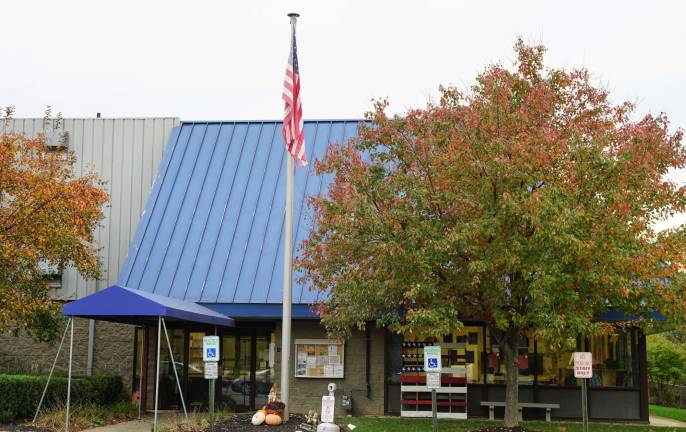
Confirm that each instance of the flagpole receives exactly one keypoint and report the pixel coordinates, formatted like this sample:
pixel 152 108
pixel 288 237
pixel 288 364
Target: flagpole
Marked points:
pixel 287 273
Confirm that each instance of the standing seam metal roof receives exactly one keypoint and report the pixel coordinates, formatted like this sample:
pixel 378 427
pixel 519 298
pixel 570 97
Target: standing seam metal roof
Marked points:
pixel 212 228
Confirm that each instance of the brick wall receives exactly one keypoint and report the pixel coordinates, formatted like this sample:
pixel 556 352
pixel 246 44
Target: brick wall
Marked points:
pixel 113 353
pixel 306 393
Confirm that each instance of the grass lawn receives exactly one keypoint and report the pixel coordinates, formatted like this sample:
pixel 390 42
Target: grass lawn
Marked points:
pixel 672 413
pixel 393 424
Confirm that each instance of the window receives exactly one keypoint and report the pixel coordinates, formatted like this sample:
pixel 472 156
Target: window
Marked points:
pixel 557 366
pixel 318 358
pixel 613 359
pixel 495 360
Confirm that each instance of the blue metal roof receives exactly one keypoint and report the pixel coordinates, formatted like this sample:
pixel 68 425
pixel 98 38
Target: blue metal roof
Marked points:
pixel 120 304
pixel 212 229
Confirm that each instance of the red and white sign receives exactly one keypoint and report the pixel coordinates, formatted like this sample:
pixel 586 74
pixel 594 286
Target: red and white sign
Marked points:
pixel 583 365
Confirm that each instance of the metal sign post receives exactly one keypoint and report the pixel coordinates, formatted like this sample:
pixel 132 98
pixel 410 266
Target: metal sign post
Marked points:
pixel 432 367
pixel 433 383
pixel 210 355
pixel 583 369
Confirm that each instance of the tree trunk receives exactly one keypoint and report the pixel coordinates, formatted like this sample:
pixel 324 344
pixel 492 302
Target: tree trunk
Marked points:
pixel 510 346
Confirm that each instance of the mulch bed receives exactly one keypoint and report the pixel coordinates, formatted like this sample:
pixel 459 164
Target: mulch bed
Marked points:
pixel 241 423
pixel 504 429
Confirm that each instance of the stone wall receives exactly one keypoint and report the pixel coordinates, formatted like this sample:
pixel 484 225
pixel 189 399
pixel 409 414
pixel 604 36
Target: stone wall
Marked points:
pixel 306 393
pixel 113 352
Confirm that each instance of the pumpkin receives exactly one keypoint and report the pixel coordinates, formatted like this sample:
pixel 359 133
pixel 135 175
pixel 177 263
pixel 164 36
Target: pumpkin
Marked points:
pixel 258 418
pixel 273 420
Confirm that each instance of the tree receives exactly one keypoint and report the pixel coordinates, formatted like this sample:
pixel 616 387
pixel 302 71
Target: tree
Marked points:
pixel 526 202
pixel 47 218
pixel 666 367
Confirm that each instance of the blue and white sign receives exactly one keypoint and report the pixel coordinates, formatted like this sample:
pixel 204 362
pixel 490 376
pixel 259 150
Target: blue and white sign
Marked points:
pixel 210 348
pixel 432 358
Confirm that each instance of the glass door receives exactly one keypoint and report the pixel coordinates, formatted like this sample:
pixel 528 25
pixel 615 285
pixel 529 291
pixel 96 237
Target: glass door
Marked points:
pixel 197 384
pixel 237 372
pixel 263 370
pixel 169 391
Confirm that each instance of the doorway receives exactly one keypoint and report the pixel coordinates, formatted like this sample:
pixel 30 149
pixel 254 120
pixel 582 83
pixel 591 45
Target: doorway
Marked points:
pixel 247 369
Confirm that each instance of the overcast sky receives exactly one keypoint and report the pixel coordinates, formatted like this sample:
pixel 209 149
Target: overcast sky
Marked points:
pixel 201 60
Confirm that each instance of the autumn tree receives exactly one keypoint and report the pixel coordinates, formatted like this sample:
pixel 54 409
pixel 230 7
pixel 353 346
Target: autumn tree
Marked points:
pixel 47 218
pixel 527 202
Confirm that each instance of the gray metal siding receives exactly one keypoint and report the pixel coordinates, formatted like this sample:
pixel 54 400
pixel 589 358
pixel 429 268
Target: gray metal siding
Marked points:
pixel 125 152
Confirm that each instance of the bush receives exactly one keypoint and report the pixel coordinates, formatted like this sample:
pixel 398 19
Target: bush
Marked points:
pixel 666 367
pixel 21 393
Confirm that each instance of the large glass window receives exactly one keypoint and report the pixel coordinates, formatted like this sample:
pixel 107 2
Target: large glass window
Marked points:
pixel 613 360
pixel 556 365
pixel 495 360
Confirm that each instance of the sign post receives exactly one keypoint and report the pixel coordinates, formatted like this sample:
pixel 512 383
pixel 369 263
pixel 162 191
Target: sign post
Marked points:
pixel 210 355
pixel 432 367
pixel 583 369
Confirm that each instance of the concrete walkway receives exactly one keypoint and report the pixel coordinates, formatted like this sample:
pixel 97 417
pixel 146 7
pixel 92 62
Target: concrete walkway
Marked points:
pixel 143 425
pixel 666 422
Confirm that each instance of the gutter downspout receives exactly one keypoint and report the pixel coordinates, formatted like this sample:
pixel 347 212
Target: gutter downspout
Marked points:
pixel 91 344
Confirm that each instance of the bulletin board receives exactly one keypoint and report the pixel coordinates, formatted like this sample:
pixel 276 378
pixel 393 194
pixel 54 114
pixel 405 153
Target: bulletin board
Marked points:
pixel 319 358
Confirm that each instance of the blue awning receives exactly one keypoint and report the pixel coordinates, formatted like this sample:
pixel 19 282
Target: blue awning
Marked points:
pixel 130 306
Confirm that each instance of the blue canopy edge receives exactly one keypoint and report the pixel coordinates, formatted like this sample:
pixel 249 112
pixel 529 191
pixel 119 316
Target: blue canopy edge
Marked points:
pixel 121 304
pixel 262 311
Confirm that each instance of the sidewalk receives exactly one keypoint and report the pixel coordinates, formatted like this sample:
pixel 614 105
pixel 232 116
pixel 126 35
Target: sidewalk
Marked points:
pixel 143 425
pixel 666 422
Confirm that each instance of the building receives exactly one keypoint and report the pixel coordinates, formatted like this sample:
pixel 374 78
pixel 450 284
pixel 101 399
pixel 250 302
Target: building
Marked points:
pixel 125 152
pixel 211 233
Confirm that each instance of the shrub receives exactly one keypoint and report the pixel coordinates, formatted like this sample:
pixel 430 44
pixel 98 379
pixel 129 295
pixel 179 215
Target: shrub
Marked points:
pixel 21 393
pixel 666 367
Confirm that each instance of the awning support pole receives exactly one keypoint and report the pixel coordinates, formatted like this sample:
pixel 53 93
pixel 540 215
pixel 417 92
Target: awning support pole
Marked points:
pixel 176 374
pixel 52 369
pixel 157 372
pixel 71 356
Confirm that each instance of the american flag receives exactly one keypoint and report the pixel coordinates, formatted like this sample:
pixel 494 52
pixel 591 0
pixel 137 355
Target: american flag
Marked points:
pixel 293 132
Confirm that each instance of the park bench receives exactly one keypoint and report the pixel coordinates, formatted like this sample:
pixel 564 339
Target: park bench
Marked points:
pixel 520 405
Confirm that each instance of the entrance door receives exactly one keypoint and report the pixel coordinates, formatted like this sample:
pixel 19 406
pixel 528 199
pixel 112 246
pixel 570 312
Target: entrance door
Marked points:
pixel 237 362
pixel 169 390
pixel 198 390
pixel 264 371
pixel 246 370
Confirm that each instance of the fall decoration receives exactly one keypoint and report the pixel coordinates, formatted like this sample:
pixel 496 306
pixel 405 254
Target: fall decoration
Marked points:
pixel 273 420
pixel 258 418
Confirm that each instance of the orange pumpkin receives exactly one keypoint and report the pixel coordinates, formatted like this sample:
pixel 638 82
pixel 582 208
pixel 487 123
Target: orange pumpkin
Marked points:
pixel 273 420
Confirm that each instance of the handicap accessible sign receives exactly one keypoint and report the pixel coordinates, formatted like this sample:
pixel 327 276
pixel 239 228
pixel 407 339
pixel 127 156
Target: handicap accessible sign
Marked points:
pixel 432 358
pixel 210 348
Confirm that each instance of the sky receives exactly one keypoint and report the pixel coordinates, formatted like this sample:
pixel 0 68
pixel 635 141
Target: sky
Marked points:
pixel 225 60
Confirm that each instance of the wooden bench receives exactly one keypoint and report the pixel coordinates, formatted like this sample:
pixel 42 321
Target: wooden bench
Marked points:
pixel 520 405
